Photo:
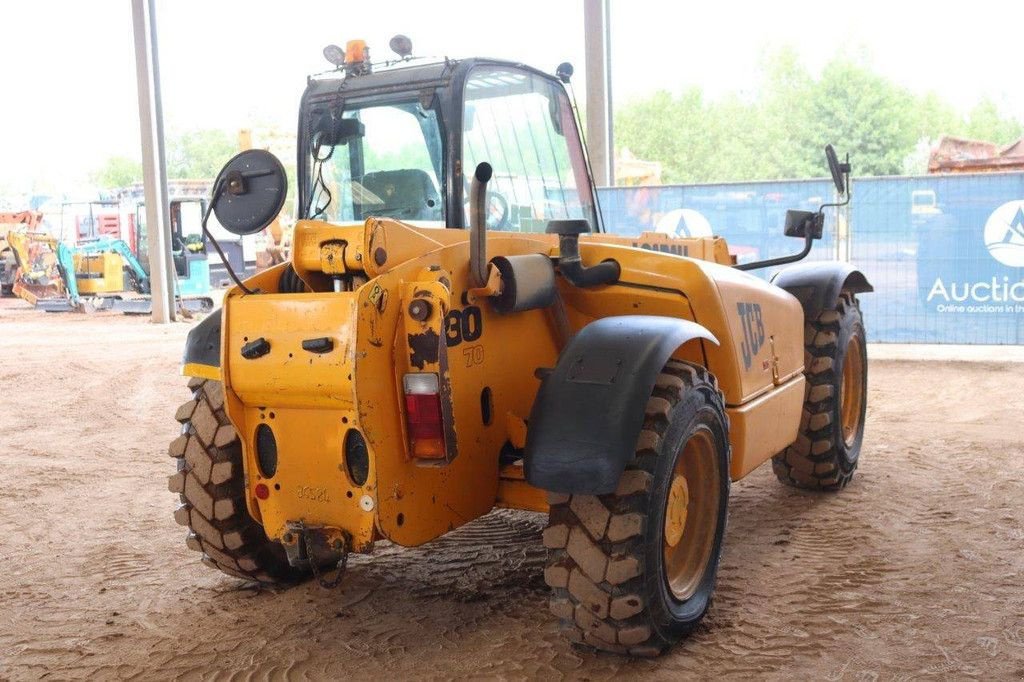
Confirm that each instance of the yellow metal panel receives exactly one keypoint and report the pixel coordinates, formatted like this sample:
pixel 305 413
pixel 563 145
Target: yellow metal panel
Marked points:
pixel 713 293
pixel 311 483
pixel 99 273
pixel 515 493
pixel 289 376
pixel 482 350
pixel 306 399
pixel 194 369
pixel 712 249
pixel 766 328
pixel 764 426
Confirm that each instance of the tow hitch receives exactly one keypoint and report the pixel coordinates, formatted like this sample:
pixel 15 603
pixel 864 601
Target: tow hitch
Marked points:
pixel 316 547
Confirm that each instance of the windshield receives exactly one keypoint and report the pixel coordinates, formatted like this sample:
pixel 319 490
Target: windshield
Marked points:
pixel 523 126
pixel 388 164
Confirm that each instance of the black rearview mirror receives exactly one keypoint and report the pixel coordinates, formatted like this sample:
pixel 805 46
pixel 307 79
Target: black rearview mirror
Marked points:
pixel 838 169
pixel 249 192
pixel 803 223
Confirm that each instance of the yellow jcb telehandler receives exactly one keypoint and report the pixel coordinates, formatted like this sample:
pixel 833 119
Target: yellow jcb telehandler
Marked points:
pixel 456 330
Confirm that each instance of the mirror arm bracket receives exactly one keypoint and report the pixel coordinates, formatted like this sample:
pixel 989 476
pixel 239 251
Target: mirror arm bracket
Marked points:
pixel 782 260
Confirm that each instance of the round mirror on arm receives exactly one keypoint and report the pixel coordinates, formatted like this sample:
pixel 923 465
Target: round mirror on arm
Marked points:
pixel 249 192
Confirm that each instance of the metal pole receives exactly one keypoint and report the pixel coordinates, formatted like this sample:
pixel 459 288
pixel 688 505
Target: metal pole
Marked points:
pixel 154 170
pixel 597 50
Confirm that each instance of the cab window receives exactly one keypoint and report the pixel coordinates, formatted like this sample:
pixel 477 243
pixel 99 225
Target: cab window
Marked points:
pixel 522 124
pixel 388 166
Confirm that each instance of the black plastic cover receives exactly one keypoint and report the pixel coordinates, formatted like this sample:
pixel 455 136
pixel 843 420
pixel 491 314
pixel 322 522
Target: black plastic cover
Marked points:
pixel 817 285
pixel 322 344
pixel 567 227
pixel 202 345
pixel 589 411
pixel 256 348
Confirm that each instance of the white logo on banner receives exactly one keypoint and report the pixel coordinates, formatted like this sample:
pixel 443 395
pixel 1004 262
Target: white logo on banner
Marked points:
pixel 1004 234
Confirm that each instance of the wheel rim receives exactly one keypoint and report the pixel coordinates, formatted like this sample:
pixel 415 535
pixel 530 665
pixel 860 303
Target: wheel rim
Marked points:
pixel 691 515
pixel 852 395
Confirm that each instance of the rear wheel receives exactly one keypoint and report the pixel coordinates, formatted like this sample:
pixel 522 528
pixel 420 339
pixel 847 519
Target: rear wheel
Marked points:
pixel 633 571
pixel 211 484
pixel 826 452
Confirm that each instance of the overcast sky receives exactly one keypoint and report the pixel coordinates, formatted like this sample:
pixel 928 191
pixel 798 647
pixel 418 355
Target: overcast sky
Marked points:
pixel 67 69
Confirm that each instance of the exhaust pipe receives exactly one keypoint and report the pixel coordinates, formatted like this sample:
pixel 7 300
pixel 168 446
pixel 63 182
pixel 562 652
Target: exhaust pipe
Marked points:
pixel 478 225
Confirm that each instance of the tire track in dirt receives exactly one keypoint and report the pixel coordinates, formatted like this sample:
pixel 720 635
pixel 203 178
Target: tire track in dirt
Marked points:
pixel 913 571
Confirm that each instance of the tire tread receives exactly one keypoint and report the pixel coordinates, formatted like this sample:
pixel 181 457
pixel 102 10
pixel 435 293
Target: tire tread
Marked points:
pixel 610 613
pixel 209 480
pixel 815 460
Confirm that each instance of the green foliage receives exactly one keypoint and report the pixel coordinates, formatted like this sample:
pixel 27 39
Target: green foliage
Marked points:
pixel 199 154
pixel 780 132
pixel 985 122
pixel 118 171
pixel 409 155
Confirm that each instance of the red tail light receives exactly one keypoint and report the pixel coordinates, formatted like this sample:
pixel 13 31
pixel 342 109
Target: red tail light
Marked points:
pixel 423 415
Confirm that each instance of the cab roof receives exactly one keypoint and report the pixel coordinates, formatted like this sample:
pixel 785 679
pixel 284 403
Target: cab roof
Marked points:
pixel 401 78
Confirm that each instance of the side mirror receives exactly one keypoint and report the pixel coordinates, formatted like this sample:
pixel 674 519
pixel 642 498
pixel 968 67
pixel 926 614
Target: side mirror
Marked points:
pixel 804 224
pixel 249 192
pixel 838 169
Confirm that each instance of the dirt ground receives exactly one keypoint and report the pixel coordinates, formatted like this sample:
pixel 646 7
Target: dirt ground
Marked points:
pixel 914 571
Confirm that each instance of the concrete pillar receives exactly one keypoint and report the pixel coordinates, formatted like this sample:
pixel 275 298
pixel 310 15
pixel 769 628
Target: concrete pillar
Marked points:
pixel 600 140
pixel 154 167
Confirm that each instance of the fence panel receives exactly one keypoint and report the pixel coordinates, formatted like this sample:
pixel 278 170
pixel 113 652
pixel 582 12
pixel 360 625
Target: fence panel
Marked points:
pixel 923 242
pixel 945 253
pixel 749 215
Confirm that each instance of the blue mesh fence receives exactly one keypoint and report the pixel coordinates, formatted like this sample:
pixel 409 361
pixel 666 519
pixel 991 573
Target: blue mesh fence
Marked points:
pixel 749 215
pixel 945 253
pixel 941 252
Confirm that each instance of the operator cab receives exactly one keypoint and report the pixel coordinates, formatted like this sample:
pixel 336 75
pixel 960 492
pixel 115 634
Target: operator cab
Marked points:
pixel 188 245
pixel 402 142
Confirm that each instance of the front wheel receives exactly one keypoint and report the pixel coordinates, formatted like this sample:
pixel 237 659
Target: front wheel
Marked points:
pixel 827 449
pixel 633 571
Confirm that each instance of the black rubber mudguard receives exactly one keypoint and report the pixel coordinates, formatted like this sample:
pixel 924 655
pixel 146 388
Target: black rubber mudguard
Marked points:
pixel 202 346
pixel 817 285
pixel 589 411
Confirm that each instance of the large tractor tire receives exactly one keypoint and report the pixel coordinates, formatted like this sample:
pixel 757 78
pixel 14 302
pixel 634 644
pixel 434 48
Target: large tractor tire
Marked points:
pixel 633 571
pixel 211 485
pixel 825 453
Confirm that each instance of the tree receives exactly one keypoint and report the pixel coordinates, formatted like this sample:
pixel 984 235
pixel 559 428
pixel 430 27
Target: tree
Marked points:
pixel 199 154
pixel 985 122
pixel 118 171
pixel 779 132
pixel 866 115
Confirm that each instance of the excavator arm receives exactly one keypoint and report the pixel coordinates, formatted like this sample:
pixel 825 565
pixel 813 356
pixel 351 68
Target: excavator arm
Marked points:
pixel 118 246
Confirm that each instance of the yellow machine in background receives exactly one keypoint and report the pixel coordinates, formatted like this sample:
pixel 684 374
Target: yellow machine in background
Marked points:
pixel 99 273
pixel 19 223
pixel 90 276
pixel 455 331
pixel 42 265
